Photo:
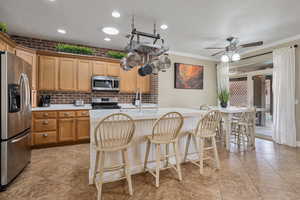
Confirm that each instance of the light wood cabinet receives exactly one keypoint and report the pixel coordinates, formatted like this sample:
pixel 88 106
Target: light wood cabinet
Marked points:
pixel 43 138
pixel 48 73
pixel 113 69
pixel 99 68
pixel 34 98
pixel 44 124
pixel 2 46
pixel 143 83
pixel 31 59
pixel 66 130
pixel 84 73
pixel 67 74
pixel 128 81
pixel 82 128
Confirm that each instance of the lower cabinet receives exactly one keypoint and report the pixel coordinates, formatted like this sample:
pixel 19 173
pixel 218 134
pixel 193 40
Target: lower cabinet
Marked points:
pixel 52 128
pixel 66 130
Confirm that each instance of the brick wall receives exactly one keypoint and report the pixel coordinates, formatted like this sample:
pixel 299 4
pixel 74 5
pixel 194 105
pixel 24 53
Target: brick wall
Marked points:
pixel 58 97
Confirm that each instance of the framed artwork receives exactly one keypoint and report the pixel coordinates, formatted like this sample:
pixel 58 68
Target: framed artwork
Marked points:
pixel 188 76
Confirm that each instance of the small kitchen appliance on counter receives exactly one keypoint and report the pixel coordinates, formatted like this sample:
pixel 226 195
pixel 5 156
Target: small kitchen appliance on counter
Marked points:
pixel 44 101
pixel 105 103
pixel 79 102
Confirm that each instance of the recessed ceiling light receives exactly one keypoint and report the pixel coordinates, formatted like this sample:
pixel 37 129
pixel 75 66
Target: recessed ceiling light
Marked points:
pixel 164 26
pixel 107 39
pixel 62 31
pixel 110 30
pixel 51 0
pixel 115 14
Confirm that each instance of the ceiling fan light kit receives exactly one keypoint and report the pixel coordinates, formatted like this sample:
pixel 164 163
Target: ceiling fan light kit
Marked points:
pixel 230 52
pixel 151 56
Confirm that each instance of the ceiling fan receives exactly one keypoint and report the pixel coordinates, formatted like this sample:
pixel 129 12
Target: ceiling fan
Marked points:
pixel 230 52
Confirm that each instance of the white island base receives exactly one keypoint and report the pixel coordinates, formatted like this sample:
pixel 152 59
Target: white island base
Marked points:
pixel 144 121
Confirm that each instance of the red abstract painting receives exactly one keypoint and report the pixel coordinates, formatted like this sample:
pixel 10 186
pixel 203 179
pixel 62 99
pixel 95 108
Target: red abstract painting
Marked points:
pixel 188 76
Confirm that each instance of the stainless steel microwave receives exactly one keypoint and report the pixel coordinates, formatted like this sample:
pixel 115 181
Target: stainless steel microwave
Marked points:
pixel 105 83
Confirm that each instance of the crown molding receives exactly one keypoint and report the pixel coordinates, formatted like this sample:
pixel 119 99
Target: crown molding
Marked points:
pixel 273 44
pixel 193 56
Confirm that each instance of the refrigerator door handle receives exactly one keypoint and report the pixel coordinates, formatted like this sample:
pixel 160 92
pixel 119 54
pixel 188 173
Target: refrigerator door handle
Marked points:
pixel 19 139
pixel 25 88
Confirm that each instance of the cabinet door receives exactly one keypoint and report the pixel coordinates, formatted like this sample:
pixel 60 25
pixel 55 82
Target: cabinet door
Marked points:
pixel 2 46
pixel 113 69
pixel 48 73
pixel 99 68
pixel 33 98
pixel 10 49
pixel 84 73
pixel 67 74
pixel 144 83
pixel 66 130
pixel 128 81
pixel 31 59
pixel 83 128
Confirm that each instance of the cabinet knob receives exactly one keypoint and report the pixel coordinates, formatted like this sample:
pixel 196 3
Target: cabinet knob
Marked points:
pixel 45 122
pixel 45 135
pixel 45 114
pixel 66 114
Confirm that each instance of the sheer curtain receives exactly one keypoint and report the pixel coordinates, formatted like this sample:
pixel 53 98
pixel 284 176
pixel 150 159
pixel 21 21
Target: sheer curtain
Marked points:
pixel 284 127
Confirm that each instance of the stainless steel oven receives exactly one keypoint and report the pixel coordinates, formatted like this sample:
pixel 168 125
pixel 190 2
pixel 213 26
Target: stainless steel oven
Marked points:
pixel 105 83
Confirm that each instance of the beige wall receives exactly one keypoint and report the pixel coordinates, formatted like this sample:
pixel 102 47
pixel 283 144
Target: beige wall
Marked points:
pixel 297 76
pixel 168 96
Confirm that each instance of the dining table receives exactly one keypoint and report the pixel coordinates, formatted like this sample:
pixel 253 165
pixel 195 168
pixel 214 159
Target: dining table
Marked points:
pixel 227 116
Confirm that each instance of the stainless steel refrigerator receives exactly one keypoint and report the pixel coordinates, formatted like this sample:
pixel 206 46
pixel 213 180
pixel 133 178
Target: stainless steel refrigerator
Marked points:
pixel 15 117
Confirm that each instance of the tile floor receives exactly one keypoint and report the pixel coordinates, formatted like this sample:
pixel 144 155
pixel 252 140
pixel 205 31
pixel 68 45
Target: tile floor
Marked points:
pixel 271 172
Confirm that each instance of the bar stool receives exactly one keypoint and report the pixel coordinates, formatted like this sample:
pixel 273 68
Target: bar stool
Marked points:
pixel 206 129
pixel 113 133
pixel 165 131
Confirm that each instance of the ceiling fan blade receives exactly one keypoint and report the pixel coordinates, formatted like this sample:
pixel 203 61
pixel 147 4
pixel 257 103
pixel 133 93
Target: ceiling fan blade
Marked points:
pixel 214 48
pixel 217 53
pixel 252 44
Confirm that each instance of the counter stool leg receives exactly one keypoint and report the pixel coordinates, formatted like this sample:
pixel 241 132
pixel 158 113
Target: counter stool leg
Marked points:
pixel 96 166
pixel 188 141
pixel 101 171
pixel 167 155
pixel 217 161
pixel 201 152
pixel 157 165
pixel 127 170
pixel 177 155
pixel 147 154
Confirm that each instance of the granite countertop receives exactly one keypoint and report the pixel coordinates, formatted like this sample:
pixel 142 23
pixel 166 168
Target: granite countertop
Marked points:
pixel 86 107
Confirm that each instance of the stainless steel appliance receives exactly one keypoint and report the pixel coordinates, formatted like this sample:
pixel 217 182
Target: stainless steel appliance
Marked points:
pixel 105 83
pixel 105 103
pixel 15 117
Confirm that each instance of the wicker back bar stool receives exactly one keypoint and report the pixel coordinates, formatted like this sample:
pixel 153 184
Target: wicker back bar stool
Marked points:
pixel 113 133
pixel 165 132
pixel 206 129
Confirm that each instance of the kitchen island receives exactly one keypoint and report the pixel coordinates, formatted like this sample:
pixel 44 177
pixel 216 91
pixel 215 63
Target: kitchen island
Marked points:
pixel 144 120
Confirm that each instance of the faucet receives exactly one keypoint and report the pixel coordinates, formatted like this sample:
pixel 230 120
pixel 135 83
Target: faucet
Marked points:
pixel 138 99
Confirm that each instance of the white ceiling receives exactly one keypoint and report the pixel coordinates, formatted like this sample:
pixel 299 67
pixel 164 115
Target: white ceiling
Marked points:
pixel 193 24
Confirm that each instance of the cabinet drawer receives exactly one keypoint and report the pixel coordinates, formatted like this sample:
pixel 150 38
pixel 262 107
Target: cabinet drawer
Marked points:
pixel 44 124
pixel 82 113
pixel 44 115
pixel 45 138
pixel 65 114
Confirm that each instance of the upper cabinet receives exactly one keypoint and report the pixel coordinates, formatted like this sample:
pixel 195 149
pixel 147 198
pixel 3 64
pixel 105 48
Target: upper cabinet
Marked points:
pixel 2 46
pixel 106 69
pixel 67 74
pixel 7 44
pixel 48 73
pixel 84 73
pixel 143 83
pixel 29 57
pixel 99 68
pixel 113 69
pixel 128 81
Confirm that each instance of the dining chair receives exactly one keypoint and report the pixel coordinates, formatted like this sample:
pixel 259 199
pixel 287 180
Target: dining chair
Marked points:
pixel 165 131
pixel 113 133
pixel 205 129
